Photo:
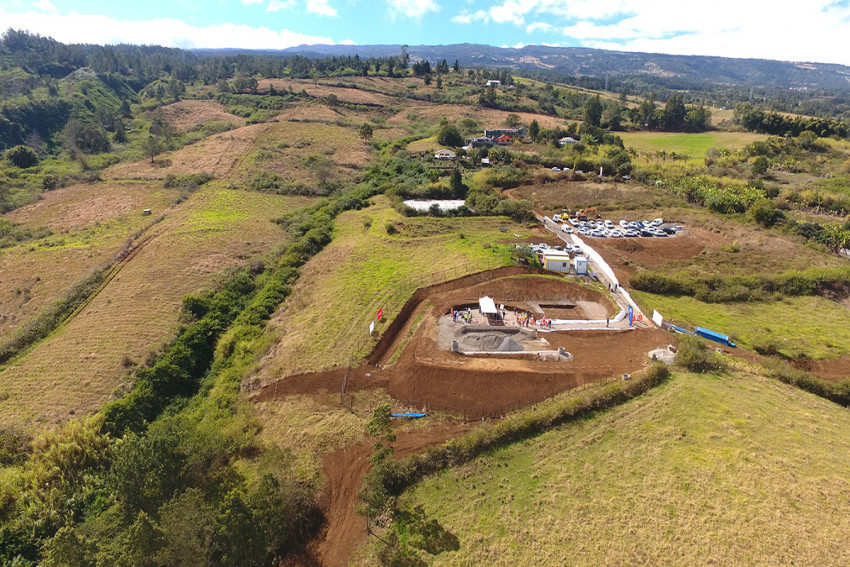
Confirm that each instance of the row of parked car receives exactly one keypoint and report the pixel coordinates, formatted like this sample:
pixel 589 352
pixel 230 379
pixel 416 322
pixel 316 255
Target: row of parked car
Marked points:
pixel 574 249
pixel 607 229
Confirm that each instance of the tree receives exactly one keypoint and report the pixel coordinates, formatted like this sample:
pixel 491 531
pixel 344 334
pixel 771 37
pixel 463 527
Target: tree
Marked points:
pixel 534 130
pixel 456 185
pixel 611 115
pixel 487 97
pixel 152 147
pixel 22 157
pixel 427 79
pixel 366 131
pixel 674 112
pixel 512 120
pixel 456 66
pixel 449 136
pixel 593 111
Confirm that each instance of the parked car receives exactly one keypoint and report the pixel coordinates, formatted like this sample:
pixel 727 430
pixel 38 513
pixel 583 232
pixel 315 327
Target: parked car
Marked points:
pixel 659 232
pixel 646 232
pixel 624 224
pixel 669 229
pixel 556 169
pixel 573 221
pixel 631 232
pixel 597 233
pixel 577 251
pixel 678 227
pixel 657 222
pixel 608 224
pixel 616 233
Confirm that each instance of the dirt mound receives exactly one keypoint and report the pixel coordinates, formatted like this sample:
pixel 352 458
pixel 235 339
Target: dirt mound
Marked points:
pixel 838 292
pixel 510 345
pixel 187 114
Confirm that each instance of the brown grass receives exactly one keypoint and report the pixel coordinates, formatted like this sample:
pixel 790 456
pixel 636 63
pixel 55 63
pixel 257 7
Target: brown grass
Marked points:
pixel 354 96
pixel 79 367
pixel 186 114
pixel 217 155
pixel 91 224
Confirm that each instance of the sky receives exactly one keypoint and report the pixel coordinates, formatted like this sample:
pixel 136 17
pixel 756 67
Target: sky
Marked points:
pixel 805 31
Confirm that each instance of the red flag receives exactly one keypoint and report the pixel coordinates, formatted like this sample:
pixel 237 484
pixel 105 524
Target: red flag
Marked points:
pixel 380 313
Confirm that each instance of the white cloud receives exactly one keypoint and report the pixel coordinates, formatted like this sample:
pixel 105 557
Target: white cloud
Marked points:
pixel 413 9
pixel 467 17
pixel 321 8
pixel 539 26
pixel 247 2
pixel 348 42
pixel 278 5
pixel 774 29
pixel 45 5
pixel 83 28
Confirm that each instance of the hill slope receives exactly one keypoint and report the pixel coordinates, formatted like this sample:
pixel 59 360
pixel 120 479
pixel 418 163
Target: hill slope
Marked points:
pixel 731 470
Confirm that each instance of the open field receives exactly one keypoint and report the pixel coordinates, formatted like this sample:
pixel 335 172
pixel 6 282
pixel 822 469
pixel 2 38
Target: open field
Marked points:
pixel 305 152
pixel 608 196
pixel 216 155
pixel 811 326
pixel 693 145
pixel 187 114
pixel 325 321
pixel 81 365
pixel 728 470
pixel 89 224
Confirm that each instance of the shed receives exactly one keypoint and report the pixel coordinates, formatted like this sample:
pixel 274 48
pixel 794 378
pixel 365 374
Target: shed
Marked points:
pixel 487 306
pixel 445 154
pixel 568 140
pixel 580 263
pixel 556 261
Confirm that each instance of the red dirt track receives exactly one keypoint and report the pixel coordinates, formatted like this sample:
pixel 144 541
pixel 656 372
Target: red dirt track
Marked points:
pixel 426 377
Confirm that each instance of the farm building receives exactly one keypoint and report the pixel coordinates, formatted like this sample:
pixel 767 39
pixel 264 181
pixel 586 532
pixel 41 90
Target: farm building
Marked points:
pixel 580 263
pixel 568 140
pixel 556 261
pixel 445 154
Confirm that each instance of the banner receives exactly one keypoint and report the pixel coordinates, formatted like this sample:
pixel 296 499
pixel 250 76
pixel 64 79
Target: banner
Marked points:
pixel 371 327
pixel 657 318
pixel 631 315
pixel 380 313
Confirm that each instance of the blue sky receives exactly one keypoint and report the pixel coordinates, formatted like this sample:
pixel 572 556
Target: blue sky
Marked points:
pixel 811 30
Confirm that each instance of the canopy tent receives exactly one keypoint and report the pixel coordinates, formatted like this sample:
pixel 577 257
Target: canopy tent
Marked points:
pixel 487 306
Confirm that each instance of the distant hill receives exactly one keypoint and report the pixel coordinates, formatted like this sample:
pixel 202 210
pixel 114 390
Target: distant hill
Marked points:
pixel 668 70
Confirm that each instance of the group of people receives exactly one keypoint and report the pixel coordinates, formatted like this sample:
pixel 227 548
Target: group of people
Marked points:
pixel 528 320
pixel 466 315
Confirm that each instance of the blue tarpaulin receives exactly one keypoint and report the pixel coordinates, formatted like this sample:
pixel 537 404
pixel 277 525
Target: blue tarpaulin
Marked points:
pixel 408 414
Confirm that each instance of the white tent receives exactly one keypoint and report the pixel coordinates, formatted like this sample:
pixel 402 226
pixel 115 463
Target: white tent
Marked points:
pixel 487 305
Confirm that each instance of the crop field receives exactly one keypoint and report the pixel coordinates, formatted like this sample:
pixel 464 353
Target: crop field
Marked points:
pixel 81 365
pixel 733 469
pixel 693 145
pixel 88 226
pixel 325 321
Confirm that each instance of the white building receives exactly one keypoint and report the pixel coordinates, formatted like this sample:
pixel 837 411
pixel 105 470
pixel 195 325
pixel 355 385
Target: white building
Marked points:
pixel 445 154
pixel 556 261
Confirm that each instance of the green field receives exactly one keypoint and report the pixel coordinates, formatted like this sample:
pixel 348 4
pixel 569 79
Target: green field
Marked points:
pixel 810 326
pixel 724 470
pixel 693 145
pixel 326 320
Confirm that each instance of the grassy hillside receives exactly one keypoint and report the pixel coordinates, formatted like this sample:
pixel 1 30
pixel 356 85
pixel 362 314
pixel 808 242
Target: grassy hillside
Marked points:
pixel 89 359
pixel 325 321
pixel 692 145
pixel 731 470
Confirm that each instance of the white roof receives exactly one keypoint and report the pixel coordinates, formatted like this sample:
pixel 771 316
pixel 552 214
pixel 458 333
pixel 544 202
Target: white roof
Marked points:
pixel 556 254
pixel 487 305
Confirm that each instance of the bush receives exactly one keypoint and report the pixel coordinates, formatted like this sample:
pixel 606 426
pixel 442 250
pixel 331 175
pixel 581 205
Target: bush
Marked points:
pixel 695 356
pixel 22 157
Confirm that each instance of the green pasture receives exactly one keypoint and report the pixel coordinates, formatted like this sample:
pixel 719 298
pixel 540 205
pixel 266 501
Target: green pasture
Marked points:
pixel 693 145
pixel 798 326
pixel 365 269
pixel 734 469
